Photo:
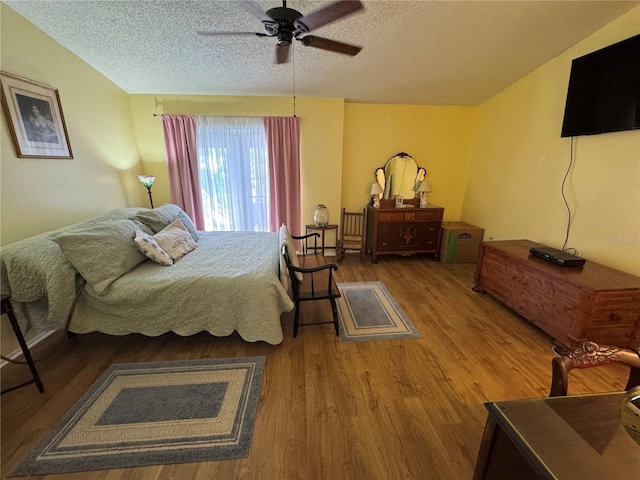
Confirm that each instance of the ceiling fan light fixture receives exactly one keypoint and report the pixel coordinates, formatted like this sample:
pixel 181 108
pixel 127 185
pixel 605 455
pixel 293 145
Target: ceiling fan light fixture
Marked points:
pixel 288 24
pixel 284 39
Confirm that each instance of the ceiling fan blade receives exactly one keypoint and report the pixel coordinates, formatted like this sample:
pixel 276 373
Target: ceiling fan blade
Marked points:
pixel 229 34
pixel 282 54
pixel 332 45
pixel 255 9
pixel 328 14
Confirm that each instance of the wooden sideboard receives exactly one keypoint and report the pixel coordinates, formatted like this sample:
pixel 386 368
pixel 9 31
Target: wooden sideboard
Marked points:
pixel 403 231
pixel 572 304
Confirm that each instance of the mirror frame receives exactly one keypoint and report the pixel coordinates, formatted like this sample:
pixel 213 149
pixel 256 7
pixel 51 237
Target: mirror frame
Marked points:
pixel 380 176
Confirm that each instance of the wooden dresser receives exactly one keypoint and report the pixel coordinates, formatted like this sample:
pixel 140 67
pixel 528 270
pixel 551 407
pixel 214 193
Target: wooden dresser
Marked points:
pixel 403 231
pixel 572 304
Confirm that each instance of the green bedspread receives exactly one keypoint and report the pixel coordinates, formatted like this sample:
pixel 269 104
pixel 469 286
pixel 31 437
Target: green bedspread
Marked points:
pixel 229 283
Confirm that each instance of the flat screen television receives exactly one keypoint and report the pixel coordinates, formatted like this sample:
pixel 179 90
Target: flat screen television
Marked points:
pixel 604 91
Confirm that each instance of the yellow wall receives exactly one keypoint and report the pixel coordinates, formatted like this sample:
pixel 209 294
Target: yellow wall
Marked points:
pixel 438 138
pixel 519 160
pixel 41 194
pixel 335 171
pixel 38 195
pixel 321 130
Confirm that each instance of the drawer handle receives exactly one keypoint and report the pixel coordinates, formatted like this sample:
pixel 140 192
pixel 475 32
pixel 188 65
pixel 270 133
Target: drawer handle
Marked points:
pixel 613 317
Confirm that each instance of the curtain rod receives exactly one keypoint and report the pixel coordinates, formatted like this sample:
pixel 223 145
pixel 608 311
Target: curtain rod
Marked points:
pixel 237 116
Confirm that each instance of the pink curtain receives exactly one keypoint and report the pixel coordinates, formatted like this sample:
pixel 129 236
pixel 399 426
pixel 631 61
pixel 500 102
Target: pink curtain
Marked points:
pixel 182 162
pixel 283 143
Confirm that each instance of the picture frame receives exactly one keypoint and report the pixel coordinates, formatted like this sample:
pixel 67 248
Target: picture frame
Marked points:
pixel 34 116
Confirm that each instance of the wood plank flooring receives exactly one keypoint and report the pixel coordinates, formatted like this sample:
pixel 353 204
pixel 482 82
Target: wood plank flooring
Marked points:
pixel 396 409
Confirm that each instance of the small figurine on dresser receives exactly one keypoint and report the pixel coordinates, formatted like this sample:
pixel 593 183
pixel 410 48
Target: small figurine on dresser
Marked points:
pixel 423 189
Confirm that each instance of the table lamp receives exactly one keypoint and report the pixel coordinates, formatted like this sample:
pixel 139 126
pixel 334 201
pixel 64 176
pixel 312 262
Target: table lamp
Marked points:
pixel 423 189
pixel 147 181
pixel 376 190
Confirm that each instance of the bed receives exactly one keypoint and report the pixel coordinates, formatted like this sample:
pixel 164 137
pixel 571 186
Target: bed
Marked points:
pixel 229 282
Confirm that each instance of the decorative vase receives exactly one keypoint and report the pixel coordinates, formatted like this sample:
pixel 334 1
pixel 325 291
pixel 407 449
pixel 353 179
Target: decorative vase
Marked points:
pixel 321 216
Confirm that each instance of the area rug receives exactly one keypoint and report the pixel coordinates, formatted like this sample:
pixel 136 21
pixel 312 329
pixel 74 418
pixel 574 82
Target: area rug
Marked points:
pixel 367 311
pixel 153 413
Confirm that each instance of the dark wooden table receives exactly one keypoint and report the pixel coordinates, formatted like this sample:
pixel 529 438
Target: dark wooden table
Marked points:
pixel 563 438
pixel 322 230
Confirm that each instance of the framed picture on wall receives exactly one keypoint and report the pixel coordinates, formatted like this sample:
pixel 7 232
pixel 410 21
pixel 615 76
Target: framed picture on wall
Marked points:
pixel 34 116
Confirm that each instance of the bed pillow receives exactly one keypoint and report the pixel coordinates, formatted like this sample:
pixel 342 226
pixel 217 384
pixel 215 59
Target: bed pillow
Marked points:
pixel 150 249
pixel 286 239
pixel 102 252
pixel 175 239
pixel 158 218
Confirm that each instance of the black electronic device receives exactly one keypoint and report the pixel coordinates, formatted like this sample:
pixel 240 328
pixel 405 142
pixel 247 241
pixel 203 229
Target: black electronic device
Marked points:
pixel 604 91
pixel 558 257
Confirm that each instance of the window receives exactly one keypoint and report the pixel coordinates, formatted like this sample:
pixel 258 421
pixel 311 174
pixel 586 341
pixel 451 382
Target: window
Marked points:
pixel 233 169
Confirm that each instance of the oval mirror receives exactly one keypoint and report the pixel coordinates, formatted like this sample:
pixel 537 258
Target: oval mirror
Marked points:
pixel 400 176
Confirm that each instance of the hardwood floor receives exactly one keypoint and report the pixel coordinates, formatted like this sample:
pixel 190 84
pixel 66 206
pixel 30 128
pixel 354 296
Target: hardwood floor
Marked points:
pixel 329 410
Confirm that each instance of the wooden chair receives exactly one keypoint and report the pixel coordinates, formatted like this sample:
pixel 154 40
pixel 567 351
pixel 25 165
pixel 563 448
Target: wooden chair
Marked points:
pixel 317 281
pixel 351 237
pixel 589 355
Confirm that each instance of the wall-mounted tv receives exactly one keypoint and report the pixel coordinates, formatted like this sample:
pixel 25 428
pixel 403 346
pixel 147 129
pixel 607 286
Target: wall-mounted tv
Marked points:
pixel 604 91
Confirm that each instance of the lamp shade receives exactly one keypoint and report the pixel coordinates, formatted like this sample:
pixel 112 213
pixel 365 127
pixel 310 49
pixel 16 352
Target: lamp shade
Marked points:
pixel 424 187
pixel 376 189
pixel 147 180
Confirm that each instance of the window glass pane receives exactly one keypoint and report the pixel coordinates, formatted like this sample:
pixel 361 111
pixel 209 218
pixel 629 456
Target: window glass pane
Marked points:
pixel 234 180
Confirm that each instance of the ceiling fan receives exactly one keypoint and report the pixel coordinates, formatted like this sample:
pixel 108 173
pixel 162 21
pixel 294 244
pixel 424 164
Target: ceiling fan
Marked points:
pixel 287 24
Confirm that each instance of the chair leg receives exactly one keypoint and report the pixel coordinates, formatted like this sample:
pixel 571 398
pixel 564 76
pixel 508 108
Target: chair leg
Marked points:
pixel 295 320
pixel 334 307
pixel 634 378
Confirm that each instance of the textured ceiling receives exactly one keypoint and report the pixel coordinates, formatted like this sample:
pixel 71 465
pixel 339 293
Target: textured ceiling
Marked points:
pixel 424 52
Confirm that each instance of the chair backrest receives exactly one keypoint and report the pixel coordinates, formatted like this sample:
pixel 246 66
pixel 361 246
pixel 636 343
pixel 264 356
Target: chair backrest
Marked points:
pixel 589 355
pixel 351 237
pixel 352 227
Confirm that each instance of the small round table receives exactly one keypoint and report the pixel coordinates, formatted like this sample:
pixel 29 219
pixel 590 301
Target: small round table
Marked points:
pixel 322 230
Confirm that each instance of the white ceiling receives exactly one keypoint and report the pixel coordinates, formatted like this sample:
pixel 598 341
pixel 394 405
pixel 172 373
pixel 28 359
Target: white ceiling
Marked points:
pixel 415 52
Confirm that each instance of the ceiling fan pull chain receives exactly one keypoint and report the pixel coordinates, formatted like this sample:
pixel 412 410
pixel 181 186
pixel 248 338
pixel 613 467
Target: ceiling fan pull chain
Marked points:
pixel 293 67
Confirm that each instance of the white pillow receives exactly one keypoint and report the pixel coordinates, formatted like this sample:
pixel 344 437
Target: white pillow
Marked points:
pixel 150 248
pixel 175 239
pixel 284 276
pixel 285 238
pixel 160 217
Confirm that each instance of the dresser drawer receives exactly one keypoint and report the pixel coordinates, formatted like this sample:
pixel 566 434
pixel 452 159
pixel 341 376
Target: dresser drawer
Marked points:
pixel 429 216
pixel 391 216
pixel 403 231
pixel 407 236
pixel 412 216
pixel 615 309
